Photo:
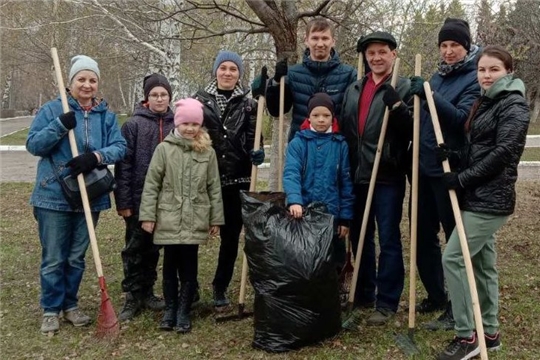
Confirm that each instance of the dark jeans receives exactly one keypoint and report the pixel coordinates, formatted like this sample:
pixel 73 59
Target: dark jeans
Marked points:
pixel 230 235
pixel 434 208
pixel 389 275
pixel 180 263
pixel 140 257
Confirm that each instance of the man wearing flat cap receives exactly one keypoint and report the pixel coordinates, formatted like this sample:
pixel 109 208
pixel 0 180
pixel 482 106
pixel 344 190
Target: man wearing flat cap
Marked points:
pixel 365 101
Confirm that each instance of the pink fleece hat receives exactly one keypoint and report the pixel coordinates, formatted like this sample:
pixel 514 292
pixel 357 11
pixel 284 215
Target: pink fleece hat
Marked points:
pixel 188 111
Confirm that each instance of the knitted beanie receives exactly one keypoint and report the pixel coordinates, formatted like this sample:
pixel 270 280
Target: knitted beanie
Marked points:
pixel 80 63
pixel 188 111
pixel 320 99
pixel 154 80
pixel 456 30
pixel 225 55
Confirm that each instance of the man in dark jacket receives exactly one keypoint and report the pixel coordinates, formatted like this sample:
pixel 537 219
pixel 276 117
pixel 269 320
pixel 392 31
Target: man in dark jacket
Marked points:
pixel 455 88
pixel 363 110
pixel 151 122
pixel 320 71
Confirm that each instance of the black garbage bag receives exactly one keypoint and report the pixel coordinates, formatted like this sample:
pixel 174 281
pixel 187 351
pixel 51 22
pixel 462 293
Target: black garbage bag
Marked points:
pixel 292 272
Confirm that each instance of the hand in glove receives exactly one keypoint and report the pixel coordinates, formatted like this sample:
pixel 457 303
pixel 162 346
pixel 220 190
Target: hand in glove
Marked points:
pixel 257 157
pixel 258 86
pixel 68 120
pixel 417 86
pixel 281 69
pixel 443 152
pixel 390 97
pixel 82 163
pixel 451 181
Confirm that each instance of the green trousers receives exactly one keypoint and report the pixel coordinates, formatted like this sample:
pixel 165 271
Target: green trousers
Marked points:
pixel 480 229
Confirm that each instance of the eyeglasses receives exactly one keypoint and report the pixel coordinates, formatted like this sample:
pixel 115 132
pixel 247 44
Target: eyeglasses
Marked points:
pixel 157 96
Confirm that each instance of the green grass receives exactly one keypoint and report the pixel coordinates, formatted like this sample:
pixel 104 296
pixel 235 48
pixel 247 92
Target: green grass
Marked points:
pixel 19 138
pixel 534 128
pixel 531 154
pixel 20 315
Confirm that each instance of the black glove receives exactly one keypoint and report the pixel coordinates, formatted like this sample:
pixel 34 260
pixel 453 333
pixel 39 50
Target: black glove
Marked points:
pixel 82 163
pixel 257 156
pixel 281 69
pixel 417 86
pixel 258 86
pixel 390 96
pixel 451 181
pixel 68 120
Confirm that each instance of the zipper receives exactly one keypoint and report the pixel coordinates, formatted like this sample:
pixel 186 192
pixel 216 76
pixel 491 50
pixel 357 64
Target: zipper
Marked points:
pixel 160 129
pixel 87 142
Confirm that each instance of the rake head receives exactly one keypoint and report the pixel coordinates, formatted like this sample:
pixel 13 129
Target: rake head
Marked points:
pixel 107 322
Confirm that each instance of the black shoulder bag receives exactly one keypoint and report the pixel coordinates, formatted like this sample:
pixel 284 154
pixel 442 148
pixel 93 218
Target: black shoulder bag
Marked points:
pixel 99 181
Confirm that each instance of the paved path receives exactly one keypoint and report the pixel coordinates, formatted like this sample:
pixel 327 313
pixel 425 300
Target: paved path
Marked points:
pixel 13 125
pixel 16 164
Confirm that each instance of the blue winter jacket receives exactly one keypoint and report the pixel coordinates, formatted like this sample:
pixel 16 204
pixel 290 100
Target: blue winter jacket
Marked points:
pixel 305 79
pixel 454 95
pixel 317 169
pixel 96 130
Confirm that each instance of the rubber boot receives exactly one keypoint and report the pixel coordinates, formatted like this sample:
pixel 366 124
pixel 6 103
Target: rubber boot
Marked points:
pixel 132 306
pixel 170 291
pixel 151 301
pixel 183 322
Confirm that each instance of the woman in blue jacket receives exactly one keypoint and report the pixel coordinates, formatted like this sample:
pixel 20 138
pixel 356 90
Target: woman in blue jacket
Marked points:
pixel 62 230
pixel 455 89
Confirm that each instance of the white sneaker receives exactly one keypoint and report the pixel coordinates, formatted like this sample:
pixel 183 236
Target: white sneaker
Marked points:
pixel 77 318
pixel 50 324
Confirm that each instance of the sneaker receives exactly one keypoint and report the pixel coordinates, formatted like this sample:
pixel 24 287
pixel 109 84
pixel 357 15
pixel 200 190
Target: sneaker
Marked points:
pixel 49 324
pixel 220 299
pixel 443 322
pixel 153 302
pixel 380 317
pixel 131 308
pixel 493 341
pixel 461 349
pixel 428 306
pixel 77 318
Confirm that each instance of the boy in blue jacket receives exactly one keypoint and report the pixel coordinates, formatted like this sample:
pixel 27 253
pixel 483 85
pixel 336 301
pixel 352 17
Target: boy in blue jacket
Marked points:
pixel 317 169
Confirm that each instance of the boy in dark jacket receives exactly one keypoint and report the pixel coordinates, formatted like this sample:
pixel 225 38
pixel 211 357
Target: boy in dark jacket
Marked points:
pixel 151 122
pixel 317 169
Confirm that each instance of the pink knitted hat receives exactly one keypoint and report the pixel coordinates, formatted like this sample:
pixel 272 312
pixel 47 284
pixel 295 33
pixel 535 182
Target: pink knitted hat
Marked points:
pixel 188 111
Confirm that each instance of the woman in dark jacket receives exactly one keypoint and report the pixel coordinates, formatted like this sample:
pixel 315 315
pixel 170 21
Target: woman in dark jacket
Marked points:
pixel 230 117
pixel 496 129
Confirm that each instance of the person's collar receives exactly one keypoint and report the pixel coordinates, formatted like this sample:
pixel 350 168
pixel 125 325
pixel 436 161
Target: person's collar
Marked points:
pixel 381 81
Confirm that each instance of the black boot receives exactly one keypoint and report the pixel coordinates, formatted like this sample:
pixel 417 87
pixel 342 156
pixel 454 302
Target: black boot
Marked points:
pixel 170 291
pixel 183 322
pixel 132 306
pixel 151 301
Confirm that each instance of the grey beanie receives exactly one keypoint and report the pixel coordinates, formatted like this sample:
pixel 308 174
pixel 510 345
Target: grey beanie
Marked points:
pixel 80 63
pixel 225 55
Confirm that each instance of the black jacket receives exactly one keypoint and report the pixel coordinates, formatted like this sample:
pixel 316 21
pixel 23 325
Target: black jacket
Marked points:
pixel 232 134
pixel 143 132
pixel 497 138
pixel 362 148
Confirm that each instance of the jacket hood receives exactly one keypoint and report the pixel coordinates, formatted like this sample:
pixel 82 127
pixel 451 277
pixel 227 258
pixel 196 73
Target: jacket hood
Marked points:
pixel 506 84
pixel 200 143
pixel 306 125
pixel 142 110
pixel 323 66
pixel 310 134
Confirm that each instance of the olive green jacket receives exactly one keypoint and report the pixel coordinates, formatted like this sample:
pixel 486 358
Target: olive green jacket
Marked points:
pixel 182 191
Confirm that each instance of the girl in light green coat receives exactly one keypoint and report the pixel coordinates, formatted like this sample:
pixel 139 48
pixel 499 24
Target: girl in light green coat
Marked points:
pixel 181 204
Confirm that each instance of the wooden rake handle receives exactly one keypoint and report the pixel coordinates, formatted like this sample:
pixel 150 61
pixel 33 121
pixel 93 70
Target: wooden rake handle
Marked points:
pixel 460 229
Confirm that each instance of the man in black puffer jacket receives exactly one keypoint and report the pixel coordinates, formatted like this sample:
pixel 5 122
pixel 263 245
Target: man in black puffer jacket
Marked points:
pixel 321 70
pixel 151 122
